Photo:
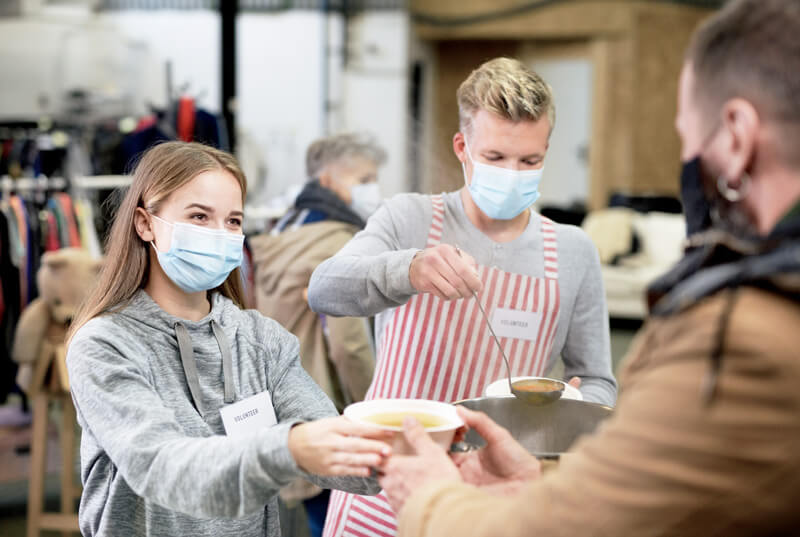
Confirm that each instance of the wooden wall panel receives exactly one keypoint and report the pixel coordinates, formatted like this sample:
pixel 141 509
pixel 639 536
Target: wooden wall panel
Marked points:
pixel 661 37
pixel 567 20
pixel 455 61
pixel 637 49
pixel 612 143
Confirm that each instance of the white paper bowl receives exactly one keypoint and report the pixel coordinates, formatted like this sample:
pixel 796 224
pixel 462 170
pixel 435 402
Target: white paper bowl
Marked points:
pixel 499 388
pixel 442 435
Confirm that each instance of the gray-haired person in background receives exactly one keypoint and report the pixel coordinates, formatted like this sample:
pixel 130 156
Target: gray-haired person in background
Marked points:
pixel 332 207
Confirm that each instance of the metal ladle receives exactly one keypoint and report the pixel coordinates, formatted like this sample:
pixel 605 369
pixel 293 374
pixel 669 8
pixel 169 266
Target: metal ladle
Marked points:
pixel 528 390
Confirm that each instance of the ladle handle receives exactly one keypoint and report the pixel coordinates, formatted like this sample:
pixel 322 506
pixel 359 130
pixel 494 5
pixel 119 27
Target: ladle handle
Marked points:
pixel 489 324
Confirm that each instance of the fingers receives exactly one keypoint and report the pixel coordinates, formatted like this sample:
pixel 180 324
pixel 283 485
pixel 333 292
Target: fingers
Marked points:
pixel 347 427
pixel 351 444
pixel 346 470
pixel 418 438
pixel 461 458
pixel 442 288
pixel 465 267
pixel 575 382
pixel 461 433
pixel 445 277
pixel 483 425
pixel 444 272
pixel 347 458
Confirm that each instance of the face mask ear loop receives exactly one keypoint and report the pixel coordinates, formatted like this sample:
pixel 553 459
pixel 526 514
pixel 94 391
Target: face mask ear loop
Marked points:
pixel 469 152
pixel 153 242
pixel 469 156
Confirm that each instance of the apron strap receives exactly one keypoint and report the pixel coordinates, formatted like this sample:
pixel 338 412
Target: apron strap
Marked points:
pixel 437 221
pixel 550 248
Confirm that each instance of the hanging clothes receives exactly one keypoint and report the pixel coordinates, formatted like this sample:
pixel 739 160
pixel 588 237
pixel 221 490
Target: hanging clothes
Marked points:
pixel 54 207
pixel 73 234
pixel 51 238
pixel 186 118
pixel 32 250
pixel 15 249
pixel 18 208
pixel 9 293
pixel 89 240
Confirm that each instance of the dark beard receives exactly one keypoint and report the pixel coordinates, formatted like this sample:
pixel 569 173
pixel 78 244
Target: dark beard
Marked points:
pixel 729 216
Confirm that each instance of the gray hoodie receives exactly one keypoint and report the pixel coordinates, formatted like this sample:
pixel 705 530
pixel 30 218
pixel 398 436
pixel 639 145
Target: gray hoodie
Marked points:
pixel 151 464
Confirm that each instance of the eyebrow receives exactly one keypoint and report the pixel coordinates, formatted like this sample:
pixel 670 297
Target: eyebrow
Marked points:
pixel 526 157
pixel 210 209
pixel 199 206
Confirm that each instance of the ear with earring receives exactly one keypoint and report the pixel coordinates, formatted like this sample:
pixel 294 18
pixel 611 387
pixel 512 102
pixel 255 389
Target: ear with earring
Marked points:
pixel 734 194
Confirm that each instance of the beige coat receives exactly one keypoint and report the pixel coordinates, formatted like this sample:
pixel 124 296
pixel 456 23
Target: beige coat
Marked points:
pixel 336 352
pixel 666 464
pixel 341 363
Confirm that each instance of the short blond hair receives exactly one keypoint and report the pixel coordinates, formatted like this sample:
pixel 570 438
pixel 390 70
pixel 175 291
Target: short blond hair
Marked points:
pixel 508 88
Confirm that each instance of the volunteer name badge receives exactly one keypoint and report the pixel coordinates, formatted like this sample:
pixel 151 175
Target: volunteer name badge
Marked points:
pixel 249 414
pixel 516 324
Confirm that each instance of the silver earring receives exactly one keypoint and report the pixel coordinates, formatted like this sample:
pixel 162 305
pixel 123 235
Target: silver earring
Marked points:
pixel 731 194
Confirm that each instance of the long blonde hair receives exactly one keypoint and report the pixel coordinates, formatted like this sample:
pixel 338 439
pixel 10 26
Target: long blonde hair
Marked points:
pixel 162 170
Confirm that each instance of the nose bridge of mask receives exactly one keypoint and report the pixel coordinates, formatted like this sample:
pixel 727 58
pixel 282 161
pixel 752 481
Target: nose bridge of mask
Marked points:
pixel 503 174
pixel 189 238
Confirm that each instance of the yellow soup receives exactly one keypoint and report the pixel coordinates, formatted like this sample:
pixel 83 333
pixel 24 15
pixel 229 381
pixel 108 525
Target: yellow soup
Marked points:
pixel 537 385
pixel 395 419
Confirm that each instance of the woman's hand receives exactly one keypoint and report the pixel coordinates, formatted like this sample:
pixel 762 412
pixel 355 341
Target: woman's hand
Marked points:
pixel 338 447
pixel 503 462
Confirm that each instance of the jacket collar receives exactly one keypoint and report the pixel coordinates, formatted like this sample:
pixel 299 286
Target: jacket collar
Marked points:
pixel 314 196
pixel 715 260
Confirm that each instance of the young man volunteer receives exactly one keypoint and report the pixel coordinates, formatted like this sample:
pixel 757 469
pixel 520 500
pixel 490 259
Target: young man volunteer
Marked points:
pixel 421 258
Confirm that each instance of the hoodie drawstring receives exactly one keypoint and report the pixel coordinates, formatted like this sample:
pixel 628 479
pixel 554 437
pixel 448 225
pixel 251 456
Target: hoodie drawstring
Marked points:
pixel 190 364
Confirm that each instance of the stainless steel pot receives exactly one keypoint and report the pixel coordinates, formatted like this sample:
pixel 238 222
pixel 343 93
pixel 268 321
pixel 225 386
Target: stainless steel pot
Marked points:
pixel 545 431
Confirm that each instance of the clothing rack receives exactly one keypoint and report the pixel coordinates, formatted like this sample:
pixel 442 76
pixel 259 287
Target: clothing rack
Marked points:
pixel 102 182
pixel 25 184
pixel 89 182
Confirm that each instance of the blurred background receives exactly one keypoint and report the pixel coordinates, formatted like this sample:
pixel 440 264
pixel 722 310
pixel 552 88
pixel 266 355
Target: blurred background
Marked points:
pixel 87 84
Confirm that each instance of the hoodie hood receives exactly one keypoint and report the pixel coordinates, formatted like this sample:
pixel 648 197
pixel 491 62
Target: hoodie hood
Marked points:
pixel 143 309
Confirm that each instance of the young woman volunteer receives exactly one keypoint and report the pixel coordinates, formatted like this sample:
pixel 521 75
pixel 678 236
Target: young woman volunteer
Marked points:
pixel 194 411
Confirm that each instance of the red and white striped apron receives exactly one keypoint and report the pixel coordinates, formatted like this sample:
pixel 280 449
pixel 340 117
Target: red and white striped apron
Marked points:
pixel 442 350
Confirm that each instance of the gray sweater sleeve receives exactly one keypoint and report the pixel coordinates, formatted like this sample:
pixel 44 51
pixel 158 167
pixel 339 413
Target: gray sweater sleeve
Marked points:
pixel 215 476
pixel 370 274
pixel 587 350
pixel 296 397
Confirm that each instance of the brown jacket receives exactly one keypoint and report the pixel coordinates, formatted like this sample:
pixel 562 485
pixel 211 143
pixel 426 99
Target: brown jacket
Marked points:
pixel 667 463
pixel 341 363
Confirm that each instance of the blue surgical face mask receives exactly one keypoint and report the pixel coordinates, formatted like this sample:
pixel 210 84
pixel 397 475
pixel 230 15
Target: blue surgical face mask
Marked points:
pixel 200 259
pixel 502 193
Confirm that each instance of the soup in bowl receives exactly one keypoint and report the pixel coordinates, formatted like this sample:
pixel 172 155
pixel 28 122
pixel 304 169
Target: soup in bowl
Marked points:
pixel 439 419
